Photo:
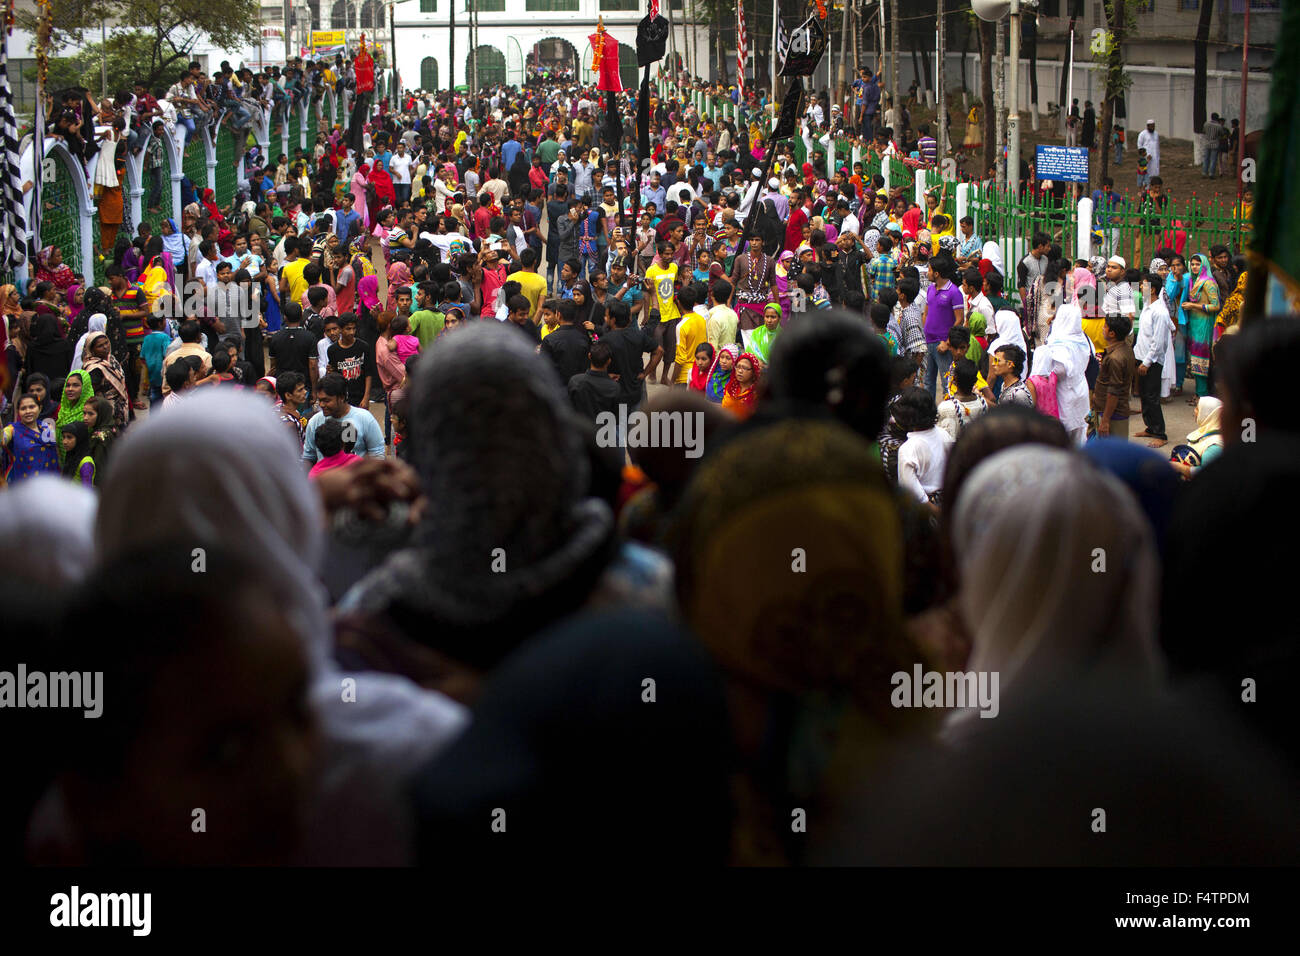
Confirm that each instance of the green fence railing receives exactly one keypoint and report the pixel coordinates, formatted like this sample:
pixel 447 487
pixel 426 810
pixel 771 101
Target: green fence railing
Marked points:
pixel 165 211
pixel 195 162
pixel 60 216
pixel 227 172
pixel 1189 226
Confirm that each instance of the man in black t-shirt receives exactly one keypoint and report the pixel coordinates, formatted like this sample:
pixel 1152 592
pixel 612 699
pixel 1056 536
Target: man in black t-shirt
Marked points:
pixel 354 359
pixel 627 344
pixel 293 348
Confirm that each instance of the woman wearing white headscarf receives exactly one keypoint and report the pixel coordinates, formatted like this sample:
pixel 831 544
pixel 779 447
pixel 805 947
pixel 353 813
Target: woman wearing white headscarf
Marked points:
pixel 96 323
pixel 221 467
pixel 46 532
pixel 1059 574
pixel 1065 354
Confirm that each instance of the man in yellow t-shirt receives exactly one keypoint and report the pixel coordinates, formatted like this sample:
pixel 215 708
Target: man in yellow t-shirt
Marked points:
pixel 292 282
pixel 661 279
pixel 692 332
pixel 531 286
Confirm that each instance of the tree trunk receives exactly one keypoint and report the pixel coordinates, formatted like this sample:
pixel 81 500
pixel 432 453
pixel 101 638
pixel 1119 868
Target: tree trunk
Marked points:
pixel 1000 97
pixel 986 95
pixel 1200 64
pixel 965 49
pixel 1114 79
pixel 940 95
pixel 893 55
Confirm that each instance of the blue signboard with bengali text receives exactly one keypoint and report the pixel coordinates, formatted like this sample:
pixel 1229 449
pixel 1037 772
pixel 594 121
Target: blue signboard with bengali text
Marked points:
pixel 1061 163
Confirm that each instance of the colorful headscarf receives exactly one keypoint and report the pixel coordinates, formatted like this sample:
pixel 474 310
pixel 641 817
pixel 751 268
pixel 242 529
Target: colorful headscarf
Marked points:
pixel 699 380
pixel 733 391
pixel 760 339
pixel 399 278
pixel 74 309
pixel 1200 278
pixel 73 413
pixel 368 291
pixel 719 378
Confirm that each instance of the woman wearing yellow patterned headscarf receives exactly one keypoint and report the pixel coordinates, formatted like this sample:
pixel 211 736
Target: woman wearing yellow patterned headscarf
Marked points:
pixel 796 522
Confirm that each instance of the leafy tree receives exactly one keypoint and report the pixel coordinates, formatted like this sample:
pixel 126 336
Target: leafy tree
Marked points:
pixel 169 30
pixel 126 51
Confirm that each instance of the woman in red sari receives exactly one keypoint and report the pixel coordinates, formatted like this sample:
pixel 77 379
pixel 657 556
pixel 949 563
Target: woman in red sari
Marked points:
pixel 50 267
pixel 383 185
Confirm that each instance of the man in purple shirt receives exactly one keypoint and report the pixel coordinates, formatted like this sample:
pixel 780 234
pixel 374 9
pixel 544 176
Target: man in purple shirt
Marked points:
pixel 945 307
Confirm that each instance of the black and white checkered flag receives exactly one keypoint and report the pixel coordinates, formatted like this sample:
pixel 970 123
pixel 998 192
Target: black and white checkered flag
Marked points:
pixel 13 226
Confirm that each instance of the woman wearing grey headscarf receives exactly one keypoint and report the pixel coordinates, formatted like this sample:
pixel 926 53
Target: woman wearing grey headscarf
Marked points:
pixel 511 540
pixel 221 468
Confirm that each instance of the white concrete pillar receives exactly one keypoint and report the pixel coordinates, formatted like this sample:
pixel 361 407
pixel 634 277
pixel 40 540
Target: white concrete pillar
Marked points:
pixel 1083 226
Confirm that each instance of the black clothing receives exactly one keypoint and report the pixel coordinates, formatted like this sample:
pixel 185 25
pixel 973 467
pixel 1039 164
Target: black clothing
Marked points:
pixel 627 347
pixel 354 362
pixel 594 392
pixel 567 347
pixel 293 349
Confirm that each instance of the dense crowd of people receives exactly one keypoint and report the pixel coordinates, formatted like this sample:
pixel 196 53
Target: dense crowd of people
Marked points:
pixel 370 392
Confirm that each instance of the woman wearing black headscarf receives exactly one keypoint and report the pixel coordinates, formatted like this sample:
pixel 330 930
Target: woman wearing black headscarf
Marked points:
pixel 516 540
pixel 48 353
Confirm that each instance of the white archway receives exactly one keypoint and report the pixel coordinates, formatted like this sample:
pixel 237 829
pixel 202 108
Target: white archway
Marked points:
pixel 57 152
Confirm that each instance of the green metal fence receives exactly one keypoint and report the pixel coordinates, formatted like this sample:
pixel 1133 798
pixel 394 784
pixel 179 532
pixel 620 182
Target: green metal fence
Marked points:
pixel 60 216
pixel 295 130
pixel 195 162
pixel 226 173
pixel 156 219
pixel 313 125
pixel 1128 230
pixel 1192 225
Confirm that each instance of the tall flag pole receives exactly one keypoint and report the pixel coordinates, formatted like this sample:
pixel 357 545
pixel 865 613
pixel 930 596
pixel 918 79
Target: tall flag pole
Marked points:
pixel 778 46
pixel 742 49
pixel 44 30
pixel 13 225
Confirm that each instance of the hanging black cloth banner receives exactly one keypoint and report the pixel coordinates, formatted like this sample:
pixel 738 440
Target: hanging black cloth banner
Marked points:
pixel 651 44
pixel 807 44
pixel 788 121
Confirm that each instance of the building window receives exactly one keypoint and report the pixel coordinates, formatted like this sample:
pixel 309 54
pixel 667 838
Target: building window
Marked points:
pixel 372 15
pixel 491 65
pixel 620 5
pixel 429 74
pixel 548 6
pixel 1050 8
pixel 343 15
pixel 490 6
pixel 1189 4
pixel 429 6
